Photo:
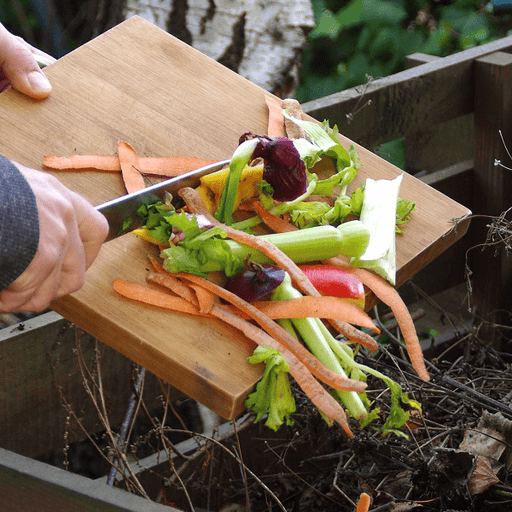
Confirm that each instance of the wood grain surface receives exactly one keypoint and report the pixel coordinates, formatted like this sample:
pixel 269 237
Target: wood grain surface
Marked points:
pixel 139 84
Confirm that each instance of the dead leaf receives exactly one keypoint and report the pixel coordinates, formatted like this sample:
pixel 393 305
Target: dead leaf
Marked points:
pixel 483 477
pixel 487 442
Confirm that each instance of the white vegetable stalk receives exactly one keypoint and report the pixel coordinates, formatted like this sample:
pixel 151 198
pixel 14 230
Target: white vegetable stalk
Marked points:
pixel 378 215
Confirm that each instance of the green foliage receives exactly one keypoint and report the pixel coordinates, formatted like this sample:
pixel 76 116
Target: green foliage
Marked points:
pixel 357 39
pixel 10 16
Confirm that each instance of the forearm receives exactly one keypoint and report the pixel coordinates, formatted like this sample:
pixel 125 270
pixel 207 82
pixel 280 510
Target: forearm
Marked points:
pixel 19 223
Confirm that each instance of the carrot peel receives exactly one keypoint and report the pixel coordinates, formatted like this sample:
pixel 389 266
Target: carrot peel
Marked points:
pixel 164 166
pixel 390 296
pixel 153 297
pixel 363 504
pixel 130 168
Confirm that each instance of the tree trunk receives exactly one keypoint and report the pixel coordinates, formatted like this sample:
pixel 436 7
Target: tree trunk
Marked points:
pixel 261 40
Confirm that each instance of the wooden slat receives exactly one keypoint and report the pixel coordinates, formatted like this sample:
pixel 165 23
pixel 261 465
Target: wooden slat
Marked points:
pixel 492 267
pixel 139 84
pixel 38 355
pixel 26 484
pixel 406 102
pixel 419 58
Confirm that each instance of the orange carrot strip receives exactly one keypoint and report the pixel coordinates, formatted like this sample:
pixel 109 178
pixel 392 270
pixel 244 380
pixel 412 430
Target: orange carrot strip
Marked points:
pixel 275 223
pixel 196 205
pixel 275 125
pixel 130 168
pixel 294 110
pixel 363 505
pixel 156 264
pixel 326 307
pixel 166 166
pixel 175 285
pixel 318 395
pixel 153 297
pixel 390 296
pixel 281 335
pixel 80 162
pixel 205 297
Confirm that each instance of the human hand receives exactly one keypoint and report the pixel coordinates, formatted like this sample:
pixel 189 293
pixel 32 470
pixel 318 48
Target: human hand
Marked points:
pixel 71 232
pixel 19 68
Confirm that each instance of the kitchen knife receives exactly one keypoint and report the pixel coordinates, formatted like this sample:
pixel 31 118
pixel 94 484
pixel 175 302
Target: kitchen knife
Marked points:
pixel 119 211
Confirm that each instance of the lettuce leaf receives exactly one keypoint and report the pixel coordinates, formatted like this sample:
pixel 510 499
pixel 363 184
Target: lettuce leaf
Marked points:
pixel 273 396
pixel 201 251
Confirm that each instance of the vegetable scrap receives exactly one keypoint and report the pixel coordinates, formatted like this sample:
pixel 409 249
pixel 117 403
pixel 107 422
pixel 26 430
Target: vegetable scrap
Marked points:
pixel 273 222
pixel 255 281
pixel 284 169
pixel 390 296
pixel 326 307
pixel 129 162
pixel 296 291
pixel 142 293
pixel 276 124
pixel 363 504
pixel 212 185
pixel 167 166
pixel 336 281
pixel 294 109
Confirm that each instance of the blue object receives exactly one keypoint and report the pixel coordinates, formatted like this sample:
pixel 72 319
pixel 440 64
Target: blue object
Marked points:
pixel 500 6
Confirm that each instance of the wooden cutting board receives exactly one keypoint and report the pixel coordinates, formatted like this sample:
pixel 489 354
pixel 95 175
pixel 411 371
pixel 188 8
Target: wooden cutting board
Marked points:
pixel 139 84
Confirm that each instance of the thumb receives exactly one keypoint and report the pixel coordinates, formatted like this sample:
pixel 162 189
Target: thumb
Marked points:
pixel 20 66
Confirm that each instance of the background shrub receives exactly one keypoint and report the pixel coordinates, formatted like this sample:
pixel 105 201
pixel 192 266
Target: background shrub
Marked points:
pixel 356 39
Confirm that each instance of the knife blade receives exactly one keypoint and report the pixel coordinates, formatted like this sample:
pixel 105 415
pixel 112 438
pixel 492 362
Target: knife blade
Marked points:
pixel 120 210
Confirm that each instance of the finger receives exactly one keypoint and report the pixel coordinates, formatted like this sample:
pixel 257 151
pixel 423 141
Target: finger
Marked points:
pixel 46 57
pixel 92 228
pixel 31 299
pixel 20 67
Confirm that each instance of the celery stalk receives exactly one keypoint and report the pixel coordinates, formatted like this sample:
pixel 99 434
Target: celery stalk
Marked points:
pixel 313 337
pixel 397 416
pixel 241 157
pixel 207 250
pixel 312 244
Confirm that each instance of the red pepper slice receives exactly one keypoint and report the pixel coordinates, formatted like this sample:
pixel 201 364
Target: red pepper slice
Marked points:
pixel 335 281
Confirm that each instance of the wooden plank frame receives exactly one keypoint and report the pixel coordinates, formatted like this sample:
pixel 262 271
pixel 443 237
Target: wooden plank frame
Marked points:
pixel 388 108
pixel 27 484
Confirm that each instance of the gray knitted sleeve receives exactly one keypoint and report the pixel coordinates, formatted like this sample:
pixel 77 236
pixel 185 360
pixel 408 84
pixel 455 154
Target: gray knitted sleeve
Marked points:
pixel 19 223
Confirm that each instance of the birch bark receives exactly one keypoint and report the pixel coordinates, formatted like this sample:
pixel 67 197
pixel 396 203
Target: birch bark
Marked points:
pixel 262 40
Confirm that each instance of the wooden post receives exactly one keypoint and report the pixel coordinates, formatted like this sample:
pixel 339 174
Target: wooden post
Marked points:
pixel 492 267
pixel 439 145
